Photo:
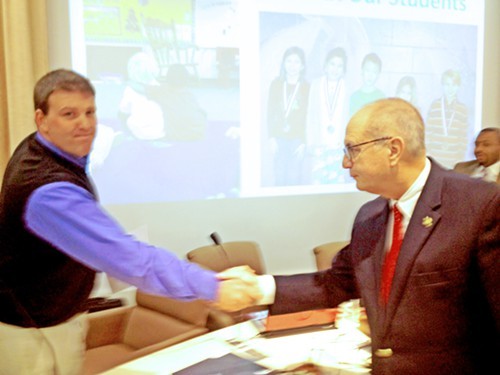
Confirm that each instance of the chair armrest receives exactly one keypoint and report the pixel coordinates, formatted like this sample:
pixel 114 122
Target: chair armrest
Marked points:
pixel 197 331
pixel 107 327
pixel 325 253
pixel 192 312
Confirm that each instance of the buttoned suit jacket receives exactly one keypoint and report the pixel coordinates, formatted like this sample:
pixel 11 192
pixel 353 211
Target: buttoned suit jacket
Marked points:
pixel 469 167
pixel 443 313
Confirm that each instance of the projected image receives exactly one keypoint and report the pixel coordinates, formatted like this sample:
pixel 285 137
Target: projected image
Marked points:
pixel 317 71
pixel 286 117
pixel 447 122
pixel 168 106
pixel 190 107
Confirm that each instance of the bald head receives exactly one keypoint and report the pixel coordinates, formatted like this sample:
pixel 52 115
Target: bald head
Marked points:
pixel 386 145
pixel 396 118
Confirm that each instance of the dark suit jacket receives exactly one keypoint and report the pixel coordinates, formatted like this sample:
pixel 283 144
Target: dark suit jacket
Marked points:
pixel 443 315
pixel 469 167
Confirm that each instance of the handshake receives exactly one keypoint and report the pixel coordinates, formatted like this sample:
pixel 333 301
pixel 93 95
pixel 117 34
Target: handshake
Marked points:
pixel 238 289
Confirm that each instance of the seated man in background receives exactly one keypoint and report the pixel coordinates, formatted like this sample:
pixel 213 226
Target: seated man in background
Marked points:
pixel 423 256
pixel 54 236
pixel 487 153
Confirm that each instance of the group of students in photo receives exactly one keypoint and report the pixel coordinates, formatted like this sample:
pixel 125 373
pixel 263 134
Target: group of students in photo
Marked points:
pixel 306 119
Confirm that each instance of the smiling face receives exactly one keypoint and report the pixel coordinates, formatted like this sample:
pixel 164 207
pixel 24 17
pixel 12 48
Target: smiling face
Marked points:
pixel 293 65
pixel 450 88
pixel 487 149
pixel 405 93
pixel 370 74
pixel 70 122
pixel 334 69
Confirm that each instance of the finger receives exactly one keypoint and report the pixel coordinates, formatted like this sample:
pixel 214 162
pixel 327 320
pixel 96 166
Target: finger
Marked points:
pixel 240 272
pixel 235 295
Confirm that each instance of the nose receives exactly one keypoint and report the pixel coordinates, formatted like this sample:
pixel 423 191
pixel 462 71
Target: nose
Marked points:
pixel 346 163
pixel 478 149
pixel 86 122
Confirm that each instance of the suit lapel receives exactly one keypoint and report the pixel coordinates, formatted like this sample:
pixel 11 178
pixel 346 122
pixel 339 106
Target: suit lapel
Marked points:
pixel 370 268
pixel 471 167
pixel 425 218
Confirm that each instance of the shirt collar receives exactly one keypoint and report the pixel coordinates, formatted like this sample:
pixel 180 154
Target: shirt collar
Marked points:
pixel 492 171
pixel 408 200
pixel 494 168
pixel 81 162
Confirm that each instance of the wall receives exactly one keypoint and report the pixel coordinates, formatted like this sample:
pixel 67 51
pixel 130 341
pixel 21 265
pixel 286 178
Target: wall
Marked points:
pixel 491 88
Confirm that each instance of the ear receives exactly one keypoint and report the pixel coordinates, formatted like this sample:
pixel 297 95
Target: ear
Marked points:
pixel 396 148
pixel 40 121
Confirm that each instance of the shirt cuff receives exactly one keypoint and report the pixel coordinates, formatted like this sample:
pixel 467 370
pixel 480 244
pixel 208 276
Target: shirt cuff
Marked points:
pixel 267 287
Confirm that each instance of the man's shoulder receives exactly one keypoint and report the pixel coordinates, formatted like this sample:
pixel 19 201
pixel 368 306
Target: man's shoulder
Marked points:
pixel 462 184
pixel 468 162
pixel 372 207
pixel 466 166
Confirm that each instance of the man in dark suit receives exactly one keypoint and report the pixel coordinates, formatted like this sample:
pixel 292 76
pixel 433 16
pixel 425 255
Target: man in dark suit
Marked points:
pixel 441 315
pixel 487 152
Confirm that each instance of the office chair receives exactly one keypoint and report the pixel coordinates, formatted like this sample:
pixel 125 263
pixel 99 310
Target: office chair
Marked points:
pixel 221 256
pixel 325 253
pixel 121 334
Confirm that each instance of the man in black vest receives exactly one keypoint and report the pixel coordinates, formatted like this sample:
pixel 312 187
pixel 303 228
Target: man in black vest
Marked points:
pixel 54 236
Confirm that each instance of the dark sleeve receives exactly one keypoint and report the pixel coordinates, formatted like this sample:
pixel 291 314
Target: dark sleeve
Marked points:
pixel 317 290
pixel 489 253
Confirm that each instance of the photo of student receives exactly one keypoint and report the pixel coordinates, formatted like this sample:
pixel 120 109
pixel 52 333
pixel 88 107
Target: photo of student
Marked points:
pixel 447 123
pixel 286 117
pixel 407 89
pixel 326 119
pixel 141 115
pixel 368 92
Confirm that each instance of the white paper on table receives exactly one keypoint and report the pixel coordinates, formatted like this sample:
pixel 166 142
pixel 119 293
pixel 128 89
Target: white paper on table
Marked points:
pixel 336 348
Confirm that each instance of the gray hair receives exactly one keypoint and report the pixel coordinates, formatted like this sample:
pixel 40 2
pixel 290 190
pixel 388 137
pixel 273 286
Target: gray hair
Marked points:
pixel 396 117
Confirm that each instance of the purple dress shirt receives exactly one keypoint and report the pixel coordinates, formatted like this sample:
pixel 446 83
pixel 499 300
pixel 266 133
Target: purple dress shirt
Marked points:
pixel 69 218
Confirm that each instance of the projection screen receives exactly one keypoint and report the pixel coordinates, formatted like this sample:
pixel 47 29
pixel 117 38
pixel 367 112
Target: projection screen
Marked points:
pixel 197 99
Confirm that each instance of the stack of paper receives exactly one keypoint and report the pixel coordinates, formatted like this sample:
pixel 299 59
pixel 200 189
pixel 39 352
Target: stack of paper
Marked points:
pixel 342 349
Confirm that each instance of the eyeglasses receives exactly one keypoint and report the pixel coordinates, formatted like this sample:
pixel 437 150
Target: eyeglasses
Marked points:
pixel 351 152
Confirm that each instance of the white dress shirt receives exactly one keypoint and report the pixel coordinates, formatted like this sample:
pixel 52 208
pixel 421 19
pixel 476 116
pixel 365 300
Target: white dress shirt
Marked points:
pixel 487 173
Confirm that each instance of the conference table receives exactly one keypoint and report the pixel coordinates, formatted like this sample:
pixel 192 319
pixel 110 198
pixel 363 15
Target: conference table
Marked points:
pixel 247 348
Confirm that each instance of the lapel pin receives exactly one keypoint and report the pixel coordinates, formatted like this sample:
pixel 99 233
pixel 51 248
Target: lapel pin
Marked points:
pixel 427 221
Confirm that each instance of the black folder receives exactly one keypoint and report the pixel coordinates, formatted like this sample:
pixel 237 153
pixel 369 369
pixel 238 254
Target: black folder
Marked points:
pixel 229 364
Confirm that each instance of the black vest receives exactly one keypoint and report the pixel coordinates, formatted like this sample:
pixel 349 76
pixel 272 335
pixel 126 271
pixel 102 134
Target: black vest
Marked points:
pixel 39 285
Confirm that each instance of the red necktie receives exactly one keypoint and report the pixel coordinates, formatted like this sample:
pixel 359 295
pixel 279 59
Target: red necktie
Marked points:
pixel 392 255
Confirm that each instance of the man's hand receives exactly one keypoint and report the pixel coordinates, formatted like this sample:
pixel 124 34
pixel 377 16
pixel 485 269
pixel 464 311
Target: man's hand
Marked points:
pixel 238 289
pixel 244 273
